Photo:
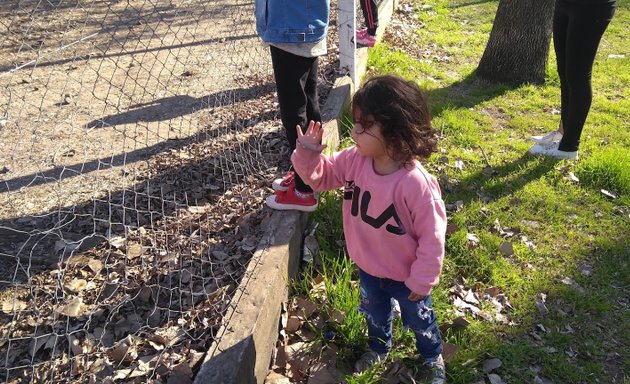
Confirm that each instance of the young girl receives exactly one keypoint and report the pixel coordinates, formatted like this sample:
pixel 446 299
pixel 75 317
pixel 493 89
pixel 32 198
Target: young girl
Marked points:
pixel 393 214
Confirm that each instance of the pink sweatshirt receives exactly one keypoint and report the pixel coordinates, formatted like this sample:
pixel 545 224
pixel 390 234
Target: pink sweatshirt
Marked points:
pixel 394 224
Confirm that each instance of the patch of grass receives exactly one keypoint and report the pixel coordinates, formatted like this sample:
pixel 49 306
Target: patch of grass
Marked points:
pixel 608 169
pixel 570 241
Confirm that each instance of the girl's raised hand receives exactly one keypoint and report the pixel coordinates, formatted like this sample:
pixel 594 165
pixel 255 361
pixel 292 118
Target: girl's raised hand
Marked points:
pixel 312 138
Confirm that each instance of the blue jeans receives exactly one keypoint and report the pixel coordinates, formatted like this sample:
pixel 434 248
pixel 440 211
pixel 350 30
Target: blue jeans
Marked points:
pixel 418 316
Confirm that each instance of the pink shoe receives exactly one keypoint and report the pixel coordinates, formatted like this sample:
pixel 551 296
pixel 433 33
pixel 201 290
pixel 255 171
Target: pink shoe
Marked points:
pixel 292 199
pixel 366 40
pixel 361 32
pixel 284 183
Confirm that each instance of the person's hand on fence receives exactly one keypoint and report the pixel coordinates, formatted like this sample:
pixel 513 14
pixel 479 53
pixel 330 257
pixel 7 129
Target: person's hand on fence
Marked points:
pixel 312 138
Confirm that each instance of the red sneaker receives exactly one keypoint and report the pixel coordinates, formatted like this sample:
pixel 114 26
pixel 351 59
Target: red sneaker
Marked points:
pixel 292 199
pixel 284 183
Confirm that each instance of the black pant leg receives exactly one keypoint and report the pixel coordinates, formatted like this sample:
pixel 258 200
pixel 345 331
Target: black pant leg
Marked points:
pixel 560 27
pixel 370 13
pixel 296 84
pixel 586 25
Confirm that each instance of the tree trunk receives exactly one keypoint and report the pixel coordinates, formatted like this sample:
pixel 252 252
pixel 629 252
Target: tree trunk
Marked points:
pixel 518 48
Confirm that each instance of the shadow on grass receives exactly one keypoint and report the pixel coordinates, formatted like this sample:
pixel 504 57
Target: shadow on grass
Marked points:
pixel 469 3
pixel 495 181
pixel 464 94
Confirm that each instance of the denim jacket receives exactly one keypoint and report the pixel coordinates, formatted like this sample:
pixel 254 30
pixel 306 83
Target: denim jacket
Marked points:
pixel 292 21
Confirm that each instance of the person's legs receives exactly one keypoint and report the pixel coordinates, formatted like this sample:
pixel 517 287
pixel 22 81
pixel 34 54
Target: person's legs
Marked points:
pixel 377 307
pixel 586 25
pixel 420 318
pixel 296 84
pixel 370 13
pixel 560 27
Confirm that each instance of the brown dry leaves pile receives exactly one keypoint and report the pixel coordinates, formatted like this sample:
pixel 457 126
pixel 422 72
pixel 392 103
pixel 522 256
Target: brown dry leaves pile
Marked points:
pixel 298 358
pixel 143 307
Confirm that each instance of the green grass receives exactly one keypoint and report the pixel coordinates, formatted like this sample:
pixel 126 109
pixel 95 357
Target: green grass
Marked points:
pixel 575 225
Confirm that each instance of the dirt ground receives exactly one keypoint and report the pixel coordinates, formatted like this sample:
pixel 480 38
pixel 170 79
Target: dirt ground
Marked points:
pixel 139 140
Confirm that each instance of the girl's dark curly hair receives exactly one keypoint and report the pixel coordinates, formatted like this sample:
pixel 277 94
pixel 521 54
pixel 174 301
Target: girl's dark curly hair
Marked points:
pixel 400 108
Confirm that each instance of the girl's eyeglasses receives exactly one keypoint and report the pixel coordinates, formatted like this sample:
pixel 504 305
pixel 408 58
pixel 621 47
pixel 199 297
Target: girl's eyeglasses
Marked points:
pixel 363 125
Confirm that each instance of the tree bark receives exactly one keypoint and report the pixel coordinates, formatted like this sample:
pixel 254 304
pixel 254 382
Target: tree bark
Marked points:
pixel 518 47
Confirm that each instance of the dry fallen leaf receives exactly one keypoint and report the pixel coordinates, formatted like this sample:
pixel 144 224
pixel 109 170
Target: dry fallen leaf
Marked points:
pixel 495 379
pixel 449 351
pixel 472 238
pixel 506 249
pixel 134 250
pixel 276 378
pixel 491 364
pixel 117 241
pixel 305 307
pixel 293 324
pixel 572 283
pixel 38 342
pixel 540 304
pixel 11 305
pixel 323 374
pixel 76 285
pixel 451 228
pixel 337 316
pixel 74 308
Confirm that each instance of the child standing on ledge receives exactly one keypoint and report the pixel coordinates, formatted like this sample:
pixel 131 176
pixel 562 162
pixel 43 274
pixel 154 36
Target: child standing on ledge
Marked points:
pixel 367 36
pixel 394 218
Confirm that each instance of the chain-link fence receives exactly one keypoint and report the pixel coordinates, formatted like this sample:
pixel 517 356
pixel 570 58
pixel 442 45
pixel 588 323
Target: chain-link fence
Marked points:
pixel 138 139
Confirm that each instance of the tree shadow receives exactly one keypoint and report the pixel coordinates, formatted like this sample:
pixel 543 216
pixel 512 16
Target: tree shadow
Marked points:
pixel 161 110
pixel 464 94
pixel 469 3
pixel 494 181
pixel 172 107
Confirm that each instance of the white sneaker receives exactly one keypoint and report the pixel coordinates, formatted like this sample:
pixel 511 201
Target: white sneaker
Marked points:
pixel 548 138
pixel 552 151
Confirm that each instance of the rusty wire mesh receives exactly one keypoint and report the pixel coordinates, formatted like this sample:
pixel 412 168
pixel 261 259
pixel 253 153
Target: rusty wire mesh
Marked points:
pixel 138 139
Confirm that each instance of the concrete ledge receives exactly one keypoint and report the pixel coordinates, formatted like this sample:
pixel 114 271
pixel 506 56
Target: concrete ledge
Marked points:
pixel 248 337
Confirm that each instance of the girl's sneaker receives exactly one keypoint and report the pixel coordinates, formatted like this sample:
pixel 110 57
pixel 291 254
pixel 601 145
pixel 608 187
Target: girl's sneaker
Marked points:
pixel 366 40
pixel 367 360
pixel 362 32
pixel 292 200
pixel 552 150
pixel 282 184
pixel 437 370
pixel 548 138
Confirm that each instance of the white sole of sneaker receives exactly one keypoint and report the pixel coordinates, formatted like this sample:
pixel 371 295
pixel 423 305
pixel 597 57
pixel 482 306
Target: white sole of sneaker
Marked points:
pixel 277 185
pixel 541 150
pixel 271 203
